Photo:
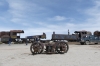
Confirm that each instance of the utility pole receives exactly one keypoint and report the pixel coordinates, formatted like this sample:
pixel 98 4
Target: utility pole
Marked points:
pixel 68 31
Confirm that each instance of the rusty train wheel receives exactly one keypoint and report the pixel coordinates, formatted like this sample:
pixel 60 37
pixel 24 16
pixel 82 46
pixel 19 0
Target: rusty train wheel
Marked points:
pixel 36 48
pixel 62 47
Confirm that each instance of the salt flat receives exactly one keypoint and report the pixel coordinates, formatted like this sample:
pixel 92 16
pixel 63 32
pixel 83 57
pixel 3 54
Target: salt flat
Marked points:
pixel 78 55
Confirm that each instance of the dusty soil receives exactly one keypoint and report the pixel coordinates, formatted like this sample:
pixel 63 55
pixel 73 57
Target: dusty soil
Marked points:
pixel 78 55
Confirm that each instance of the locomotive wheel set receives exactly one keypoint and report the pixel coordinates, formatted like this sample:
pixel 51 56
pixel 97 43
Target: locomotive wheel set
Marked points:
pixel 50 47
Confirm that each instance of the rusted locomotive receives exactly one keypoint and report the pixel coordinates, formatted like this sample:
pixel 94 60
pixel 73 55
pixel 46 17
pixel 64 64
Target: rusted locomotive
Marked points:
pixel 5 35
pixel 71 37
pixel 97 33
pixel 48 46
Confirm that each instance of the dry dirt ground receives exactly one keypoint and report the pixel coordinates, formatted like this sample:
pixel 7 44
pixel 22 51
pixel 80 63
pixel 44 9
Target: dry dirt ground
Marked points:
pixel 78 55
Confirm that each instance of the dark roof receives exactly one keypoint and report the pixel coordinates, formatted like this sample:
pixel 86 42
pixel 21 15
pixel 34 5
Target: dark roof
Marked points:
pixel 17 31
pixel 4 32
pixel 81 31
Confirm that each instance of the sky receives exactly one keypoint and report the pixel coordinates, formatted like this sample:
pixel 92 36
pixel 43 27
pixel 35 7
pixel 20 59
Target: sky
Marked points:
pixel 38 16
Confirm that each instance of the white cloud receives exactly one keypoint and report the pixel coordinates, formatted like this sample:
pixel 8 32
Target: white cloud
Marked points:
pixel 93 23
pixel 94 11
pixel 21 8
pixel 4 29
pixel 22 11
pixel 17 10
pixel 58 18
pixel 16 20
pixel 27 24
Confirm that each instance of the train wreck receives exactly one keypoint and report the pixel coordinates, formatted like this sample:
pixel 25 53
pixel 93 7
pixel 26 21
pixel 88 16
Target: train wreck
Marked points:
pixel 57 44
pixel 91 39
pixel 73 37
pixel 49 46
pixel 5 35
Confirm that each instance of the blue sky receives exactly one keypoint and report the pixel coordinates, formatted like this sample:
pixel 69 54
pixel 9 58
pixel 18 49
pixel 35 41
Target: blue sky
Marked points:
pixel 38 16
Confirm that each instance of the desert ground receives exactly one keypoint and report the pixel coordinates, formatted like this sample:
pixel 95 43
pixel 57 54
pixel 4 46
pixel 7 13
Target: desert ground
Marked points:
pixel 78 55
